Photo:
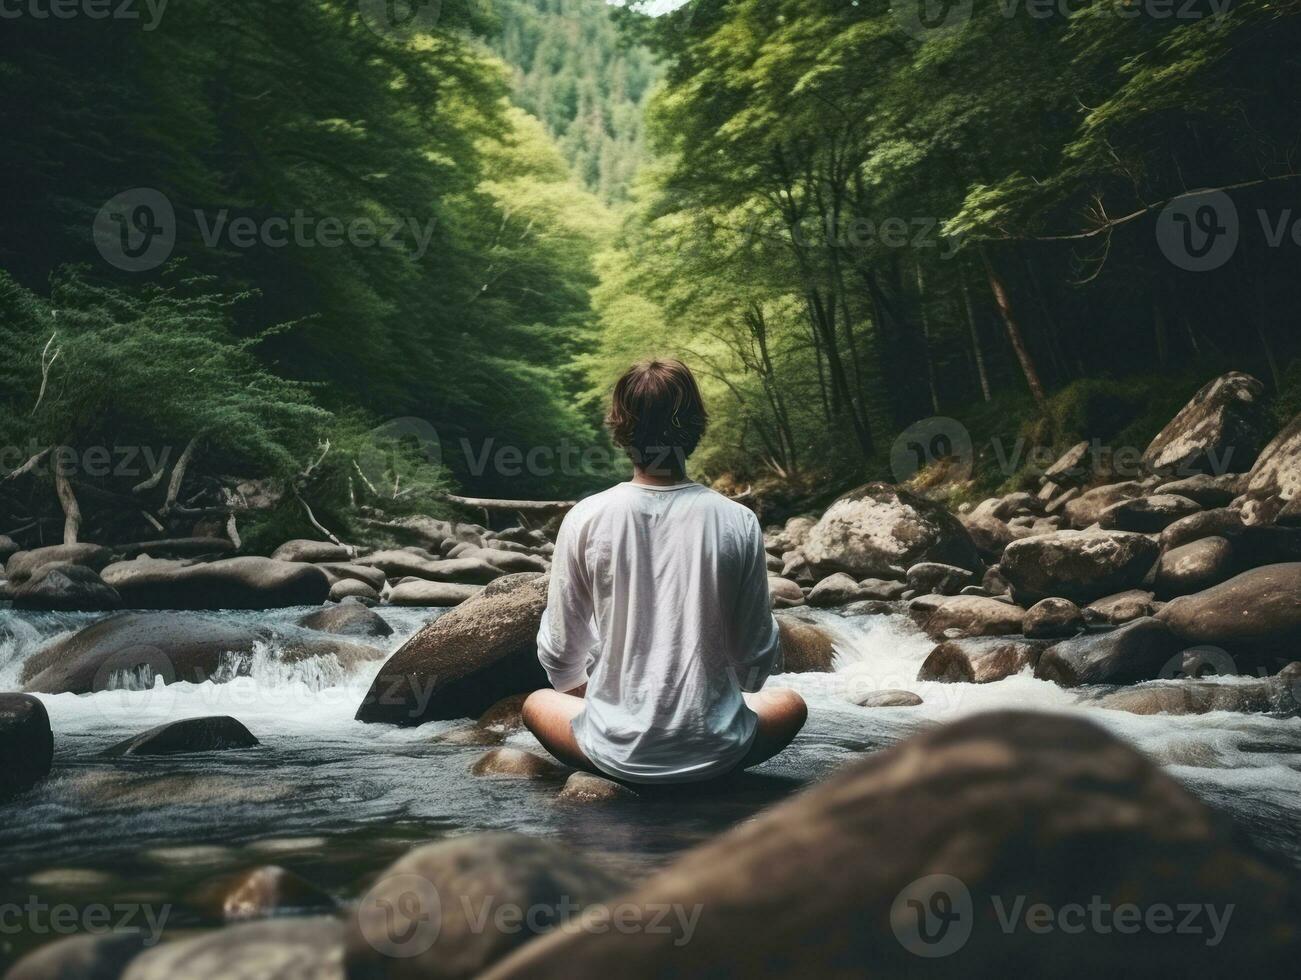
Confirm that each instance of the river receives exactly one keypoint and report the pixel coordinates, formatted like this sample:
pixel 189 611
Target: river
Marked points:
pixel 336 800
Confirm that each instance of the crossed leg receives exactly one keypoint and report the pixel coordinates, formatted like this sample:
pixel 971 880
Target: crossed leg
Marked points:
pixel 549 716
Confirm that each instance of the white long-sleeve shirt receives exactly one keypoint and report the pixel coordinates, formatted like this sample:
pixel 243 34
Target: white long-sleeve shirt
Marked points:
pixel 659 603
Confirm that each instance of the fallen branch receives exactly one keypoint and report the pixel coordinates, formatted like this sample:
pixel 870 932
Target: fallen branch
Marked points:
pixel 178 475
pixel 315 523
pixel 30 465
pixel 521 506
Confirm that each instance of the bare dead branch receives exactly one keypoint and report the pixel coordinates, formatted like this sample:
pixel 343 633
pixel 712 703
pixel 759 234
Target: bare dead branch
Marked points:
pixel 30 465
pixel 178 474
pixel 47 362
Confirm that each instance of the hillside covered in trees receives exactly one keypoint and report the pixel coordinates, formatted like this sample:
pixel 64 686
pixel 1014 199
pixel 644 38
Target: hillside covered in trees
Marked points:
pixel 857 220
pixel 305 266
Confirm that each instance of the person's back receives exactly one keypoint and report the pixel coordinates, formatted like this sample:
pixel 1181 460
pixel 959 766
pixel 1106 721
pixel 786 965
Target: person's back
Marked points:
pixel 658 614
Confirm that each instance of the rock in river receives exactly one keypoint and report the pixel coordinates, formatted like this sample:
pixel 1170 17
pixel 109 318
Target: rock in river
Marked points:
pixel 303 549
pixel 971 615
pixel 1251 615
pixel 22 564
pixel 231 583
pixel 67 588
pixel 174 646
pixel 1137 651
pixel 877 529
pixel 1077 565
pixel 259 893
pixel 1279 695
pixel 347 619
pixel 26 744
pixel 980 659
pixel 450 910
pixel 920 849
pixel 464 661
pixel 211 734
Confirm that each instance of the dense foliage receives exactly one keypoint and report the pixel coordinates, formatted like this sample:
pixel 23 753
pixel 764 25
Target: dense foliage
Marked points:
pixel 365 229
pixel 856 221
pixel 570 69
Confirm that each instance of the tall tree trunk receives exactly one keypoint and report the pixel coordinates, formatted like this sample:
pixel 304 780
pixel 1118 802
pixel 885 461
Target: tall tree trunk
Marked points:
pixel 976 350
pixel 1004 302
pixel 926 339
pixel 68 501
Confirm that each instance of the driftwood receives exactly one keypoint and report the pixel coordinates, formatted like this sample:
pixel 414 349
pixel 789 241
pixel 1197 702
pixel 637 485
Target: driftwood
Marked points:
pixel 538 508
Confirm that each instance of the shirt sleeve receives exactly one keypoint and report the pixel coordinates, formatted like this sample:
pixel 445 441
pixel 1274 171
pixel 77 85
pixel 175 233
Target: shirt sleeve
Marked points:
pixel 757 651
pixel 566 638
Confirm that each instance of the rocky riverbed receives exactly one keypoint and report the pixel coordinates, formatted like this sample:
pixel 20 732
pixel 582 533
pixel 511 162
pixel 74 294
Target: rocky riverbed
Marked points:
pixel 364 703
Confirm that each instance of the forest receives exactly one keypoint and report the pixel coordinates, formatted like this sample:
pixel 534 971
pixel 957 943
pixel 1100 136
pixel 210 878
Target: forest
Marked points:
pixel 304 265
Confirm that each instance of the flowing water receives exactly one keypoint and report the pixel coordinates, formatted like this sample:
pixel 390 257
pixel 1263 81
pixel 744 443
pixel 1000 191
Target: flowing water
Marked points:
pixel 337 800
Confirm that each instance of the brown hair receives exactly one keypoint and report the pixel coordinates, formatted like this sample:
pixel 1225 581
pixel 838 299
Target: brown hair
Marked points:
pixel 657 416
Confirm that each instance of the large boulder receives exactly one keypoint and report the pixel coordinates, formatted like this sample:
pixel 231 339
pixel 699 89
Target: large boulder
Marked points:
pixel 1217 522
pixel 838 589
pixel 26 744
pixel 1221 430
pixel 418 592
pixel 1148 514
pixel 21 564
pixel 8 547
pixel 878 529
pixel 805 648
pixel 172 646
pixel 337 572
pixel 231 583
pixel 448 911
pixel 1277 472
pixel 66 588
pixel 211 734
pixel 784 593
pixel 464 661
pixel 1085 510
pixel 908 862
pixel 1206 489
pixel 510 562
pixel 94 956
pixel 1074 468
pixel 1123 607
pixel 352 588
pixel 1252 615
pixel 971 615
pixel 991 534
pixel 1077 565
pixel 980 659
pixel 1139 651
pixel 407 563
pixel 302 549
pixel 1278 695
pixel 347 619
pixel 276 949
pixel 1194 566
pixel 930 576
pixel 1049 618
